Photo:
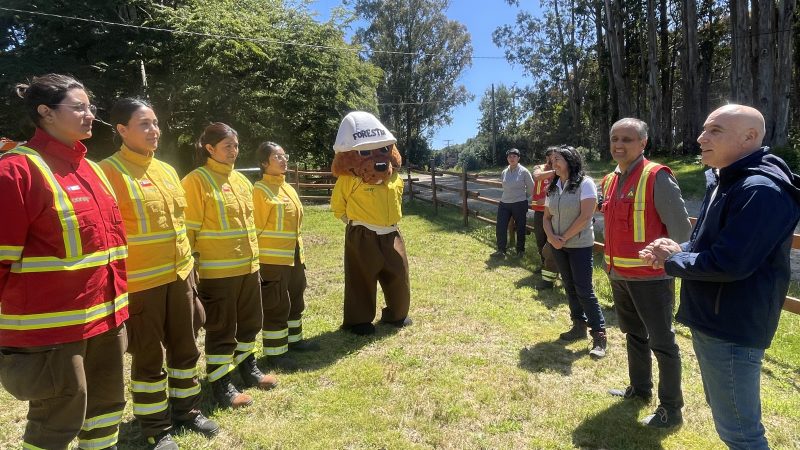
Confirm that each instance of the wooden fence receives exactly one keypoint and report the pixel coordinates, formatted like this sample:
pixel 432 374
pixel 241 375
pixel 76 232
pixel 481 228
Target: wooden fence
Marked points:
pixel 792 304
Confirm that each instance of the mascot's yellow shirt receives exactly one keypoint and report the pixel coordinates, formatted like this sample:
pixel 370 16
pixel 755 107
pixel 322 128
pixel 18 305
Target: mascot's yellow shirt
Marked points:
pixel 375 204
pixel 219 220
pixel 278 215
pixel 152 202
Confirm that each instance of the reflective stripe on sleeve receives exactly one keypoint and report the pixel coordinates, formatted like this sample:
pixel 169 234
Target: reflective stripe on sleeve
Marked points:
pixel 62 319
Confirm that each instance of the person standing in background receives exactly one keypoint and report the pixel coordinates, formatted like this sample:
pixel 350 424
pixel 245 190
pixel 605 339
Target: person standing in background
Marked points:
pixel 517 189
pixel 543 174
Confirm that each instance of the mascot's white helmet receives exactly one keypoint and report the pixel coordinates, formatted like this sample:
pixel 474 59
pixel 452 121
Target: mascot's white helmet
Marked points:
pixel 361 130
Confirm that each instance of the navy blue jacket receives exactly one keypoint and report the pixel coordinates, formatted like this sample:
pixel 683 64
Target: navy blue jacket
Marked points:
pixel 735 267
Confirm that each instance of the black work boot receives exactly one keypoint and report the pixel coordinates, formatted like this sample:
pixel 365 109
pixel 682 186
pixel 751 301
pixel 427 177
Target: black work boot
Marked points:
pixel 252 375
pixel 629 393
pixel 664 418
pixel 599 343
pixel 199 424
pixel 576 333
pixel 226 394
pixel 161 442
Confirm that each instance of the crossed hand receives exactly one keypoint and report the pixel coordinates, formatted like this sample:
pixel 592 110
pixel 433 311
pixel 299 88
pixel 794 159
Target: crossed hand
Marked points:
pixel 658 251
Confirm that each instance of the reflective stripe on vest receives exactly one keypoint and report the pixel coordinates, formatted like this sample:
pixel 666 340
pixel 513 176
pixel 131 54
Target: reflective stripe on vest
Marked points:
pixel 73 246
pixel 63 318
pixel 640 202
pixel 216 189
pixel 134 193
pixel 626 262
pixel 278 204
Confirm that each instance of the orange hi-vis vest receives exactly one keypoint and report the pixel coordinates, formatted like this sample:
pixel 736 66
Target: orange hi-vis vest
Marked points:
pixel 278 216
pixel 631 220
pixel 57 289
pixel 539 193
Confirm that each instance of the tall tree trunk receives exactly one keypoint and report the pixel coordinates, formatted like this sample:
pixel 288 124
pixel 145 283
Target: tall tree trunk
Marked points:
pixel 741 74
pixel 568 82
pixel 690 92
pixel 604 80
pixel 616 46
pixel 783 72
pixel 766 67
pixel 666 63
pixel 706 53
pixel 652 78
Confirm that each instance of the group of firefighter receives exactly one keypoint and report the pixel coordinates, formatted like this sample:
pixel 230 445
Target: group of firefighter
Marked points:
pixel 210 250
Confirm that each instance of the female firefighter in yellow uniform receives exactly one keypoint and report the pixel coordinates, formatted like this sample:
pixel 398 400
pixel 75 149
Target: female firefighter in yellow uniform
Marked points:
pixel 279 215
pixel 160 281
pixel 219 222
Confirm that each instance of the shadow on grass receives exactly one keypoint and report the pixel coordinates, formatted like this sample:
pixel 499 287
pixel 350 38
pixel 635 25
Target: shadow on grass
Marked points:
pixel 618 427
pixel 334 345
pixel 550 356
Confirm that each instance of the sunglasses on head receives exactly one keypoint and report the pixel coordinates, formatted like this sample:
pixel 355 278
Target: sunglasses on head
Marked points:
pixel 383 150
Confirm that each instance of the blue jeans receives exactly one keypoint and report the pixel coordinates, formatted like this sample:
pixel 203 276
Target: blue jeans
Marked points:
pixel 575 267
pixel 731 379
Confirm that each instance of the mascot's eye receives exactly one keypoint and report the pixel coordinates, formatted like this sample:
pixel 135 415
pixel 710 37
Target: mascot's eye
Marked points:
pixel 385 150
pixel 365 152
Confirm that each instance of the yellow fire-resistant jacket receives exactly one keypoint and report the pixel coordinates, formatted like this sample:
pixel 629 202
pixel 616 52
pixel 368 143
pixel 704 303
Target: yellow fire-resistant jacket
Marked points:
pixel 219 220
pixel 375 204
pixel 279 215
pixel 152 204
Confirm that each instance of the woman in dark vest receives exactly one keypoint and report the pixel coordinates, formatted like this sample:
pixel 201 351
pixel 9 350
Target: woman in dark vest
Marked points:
pixel 570 204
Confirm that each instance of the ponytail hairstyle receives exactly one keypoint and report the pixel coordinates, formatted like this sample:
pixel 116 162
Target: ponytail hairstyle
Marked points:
pixel 212 135
pixel 48 90
pixel 575 167
pixel 264 152
pixel 123 110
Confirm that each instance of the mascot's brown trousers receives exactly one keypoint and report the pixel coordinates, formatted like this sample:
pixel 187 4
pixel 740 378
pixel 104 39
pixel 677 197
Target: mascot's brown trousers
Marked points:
pixel 370 258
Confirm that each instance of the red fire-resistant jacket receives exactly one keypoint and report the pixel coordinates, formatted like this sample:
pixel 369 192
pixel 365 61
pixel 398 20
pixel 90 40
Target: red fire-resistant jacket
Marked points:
pixel 62 247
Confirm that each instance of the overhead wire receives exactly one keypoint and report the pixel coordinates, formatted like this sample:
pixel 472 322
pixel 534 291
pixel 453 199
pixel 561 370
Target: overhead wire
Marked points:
pixel 231 37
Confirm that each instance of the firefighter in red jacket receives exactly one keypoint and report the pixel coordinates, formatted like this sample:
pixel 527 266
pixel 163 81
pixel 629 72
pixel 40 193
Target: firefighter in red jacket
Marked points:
pixel 542 175
pixel 641 201
pixel 63 293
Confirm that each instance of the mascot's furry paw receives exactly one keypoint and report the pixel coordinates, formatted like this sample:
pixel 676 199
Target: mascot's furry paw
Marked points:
pixel 372 166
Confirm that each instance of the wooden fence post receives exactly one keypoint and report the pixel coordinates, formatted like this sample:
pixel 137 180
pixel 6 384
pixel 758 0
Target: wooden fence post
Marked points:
pixel 465 206
pixel 410 184
pixel 297 178
pixel 433 186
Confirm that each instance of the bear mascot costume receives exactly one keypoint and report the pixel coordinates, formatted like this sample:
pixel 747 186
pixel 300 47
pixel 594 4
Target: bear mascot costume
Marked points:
pixel 367 197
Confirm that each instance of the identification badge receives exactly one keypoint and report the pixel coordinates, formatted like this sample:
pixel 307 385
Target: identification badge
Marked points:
pixel 145 183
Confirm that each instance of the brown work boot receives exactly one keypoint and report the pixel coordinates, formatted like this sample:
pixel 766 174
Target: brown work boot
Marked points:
pixel 226 394
pixel 576 333
pixel 253 377
pixel 599 342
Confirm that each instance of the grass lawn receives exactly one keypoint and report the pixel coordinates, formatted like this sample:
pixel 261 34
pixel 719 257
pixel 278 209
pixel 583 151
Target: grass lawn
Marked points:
pixel 481 367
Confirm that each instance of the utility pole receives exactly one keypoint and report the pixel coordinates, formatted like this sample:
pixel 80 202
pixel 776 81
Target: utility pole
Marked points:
pixel 494 130
pixel 447 142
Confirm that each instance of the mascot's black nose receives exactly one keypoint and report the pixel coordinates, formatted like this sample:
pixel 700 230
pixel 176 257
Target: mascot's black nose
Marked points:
pixel 381 167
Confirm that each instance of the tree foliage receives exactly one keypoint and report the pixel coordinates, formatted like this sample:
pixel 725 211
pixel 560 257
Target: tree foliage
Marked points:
pixel 422 55
pixel 262 86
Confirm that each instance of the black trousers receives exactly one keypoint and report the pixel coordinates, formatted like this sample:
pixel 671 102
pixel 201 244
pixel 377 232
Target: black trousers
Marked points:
pixel 505 211
pixel 644 310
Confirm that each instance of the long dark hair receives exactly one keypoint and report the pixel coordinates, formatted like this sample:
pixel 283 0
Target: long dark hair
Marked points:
pixel 575 166
pixel 213 134
pixel 264 152
pixel 47 90
pixel 123 110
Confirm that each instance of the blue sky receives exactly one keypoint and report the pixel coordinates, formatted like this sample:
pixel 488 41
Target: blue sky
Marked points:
pixel 481 18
